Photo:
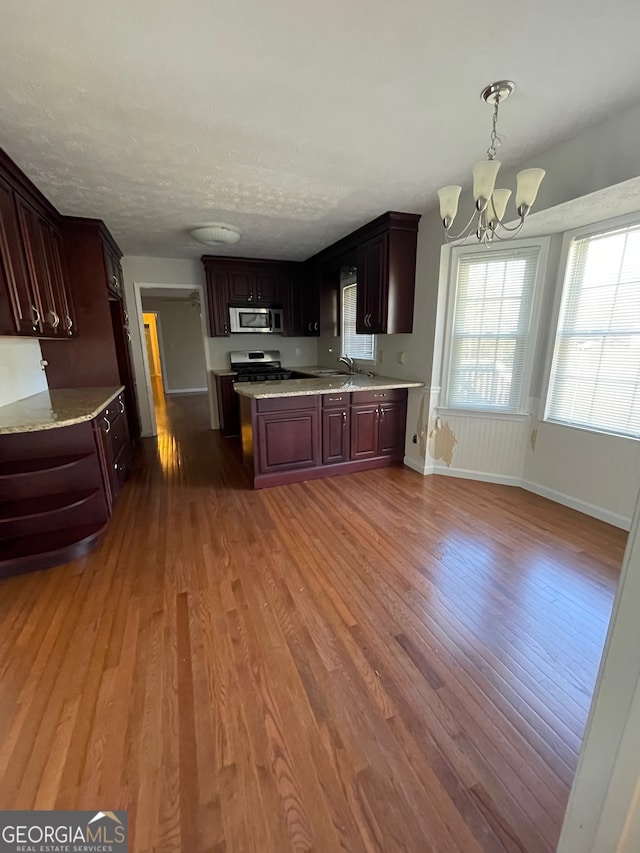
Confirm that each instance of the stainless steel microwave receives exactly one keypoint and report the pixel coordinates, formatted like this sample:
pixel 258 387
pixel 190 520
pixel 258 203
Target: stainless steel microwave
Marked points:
pixel 256 320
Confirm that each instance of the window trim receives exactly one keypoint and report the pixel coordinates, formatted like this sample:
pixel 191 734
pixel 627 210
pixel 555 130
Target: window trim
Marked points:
pixel 603 226
pixel 347 282
pixel 455 253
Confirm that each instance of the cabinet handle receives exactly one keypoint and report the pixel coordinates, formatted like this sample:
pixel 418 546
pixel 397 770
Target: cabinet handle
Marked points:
pixel 128 333
pixel 121 405
pixel 36 316
pixel 108 424
pixel 381 395
pixel 315 326
pixel 381 410
pixel 126 318
pixel 56 319
pixel 69 322
pixel 311 327
pixel 344 419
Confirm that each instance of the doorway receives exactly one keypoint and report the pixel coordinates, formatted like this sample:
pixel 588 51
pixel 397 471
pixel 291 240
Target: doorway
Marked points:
pixel 170 350
pixel 152 343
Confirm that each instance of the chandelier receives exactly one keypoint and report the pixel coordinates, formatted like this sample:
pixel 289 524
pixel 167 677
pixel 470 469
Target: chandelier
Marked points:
pixel 490 203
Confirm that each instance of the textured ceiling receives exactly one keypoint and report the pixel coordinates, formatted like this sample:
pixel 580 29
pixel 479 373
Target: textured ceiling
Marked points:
pixel 293 121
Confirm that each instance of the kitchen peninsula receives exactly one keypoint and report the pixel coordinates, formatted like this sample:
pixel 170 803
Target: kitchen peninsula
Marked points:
pixel 302 429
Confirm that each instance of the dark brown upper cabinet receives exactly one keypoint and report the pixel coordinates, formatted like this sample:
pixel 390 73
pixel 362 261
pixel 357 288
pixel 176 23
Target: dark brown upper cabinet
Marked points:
pixel 242 281
pixel 386 261
pixel 35 298
pixel 384 252
pixel 20 308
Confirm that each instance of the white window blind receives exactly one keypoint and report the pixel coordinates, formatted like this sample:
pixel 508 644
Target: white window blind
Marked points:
pixel 595 372
pixel 356 346
pixel 494 297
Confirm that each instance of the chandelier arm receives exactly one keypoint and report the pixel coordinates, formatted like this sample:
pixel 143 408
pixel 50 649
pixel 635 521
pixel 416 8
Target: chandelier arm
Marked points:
pixel 515 228
pixel 512 234
pixel 465 231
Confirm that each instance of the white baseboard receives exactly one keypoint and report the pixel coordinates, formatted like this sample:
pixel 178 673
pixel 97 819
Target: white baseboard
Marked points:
pixel 575 503
pixel 482 476
pixel 416 466
pixel 584 507
pixel 186 390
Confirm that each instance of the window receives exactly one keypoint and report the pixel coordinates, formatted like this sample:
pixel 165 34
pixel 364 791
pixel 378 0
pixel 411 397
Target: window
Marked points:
pixel 492 311
pixel 362 347
pixel 595 372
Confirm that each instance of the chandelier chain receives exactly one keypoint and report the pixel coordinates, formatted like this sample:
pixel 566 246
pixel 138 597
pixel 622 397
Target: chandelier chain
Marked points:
pixel 496 140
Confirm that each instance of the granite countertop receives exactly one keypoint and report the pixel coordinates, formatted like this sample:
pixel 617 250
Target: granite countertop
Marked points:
pixel 223 371
pixel 321 385
pixel 56 408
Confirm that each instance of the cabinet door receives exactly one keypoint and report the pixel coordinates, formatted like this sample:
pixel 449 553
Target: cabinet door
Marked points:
pixel 228 406
pixel 288 440
pixel 115 278
pixel 371 309
pixel 241 285
pixel 391 429
pixel 19 305
pixel 217 301
pixel 310 294
pixel 335 435
pixel 364 431
pixel 34 232
pixel 266 288
pixel 59 282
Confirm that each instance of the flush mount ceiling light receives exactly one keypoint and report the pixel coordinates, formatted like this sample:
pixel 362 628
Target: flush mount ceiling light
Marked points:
pixel 216 233
pixel 491 203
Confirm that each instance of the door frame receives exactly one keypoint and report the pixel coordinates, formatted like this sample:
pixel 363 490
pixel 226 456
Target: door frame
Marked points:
pixel 145 401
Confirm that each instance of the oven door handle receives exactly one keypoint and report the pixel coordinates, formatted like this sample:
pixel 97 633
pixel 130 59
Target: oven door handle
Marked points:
pixel 270 321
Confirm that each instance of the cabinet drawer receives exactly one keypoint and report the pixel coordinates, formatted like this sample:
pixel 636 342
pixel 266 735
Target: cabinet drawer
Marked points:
pixel 390 396
pixel 287 404
pixel 336 399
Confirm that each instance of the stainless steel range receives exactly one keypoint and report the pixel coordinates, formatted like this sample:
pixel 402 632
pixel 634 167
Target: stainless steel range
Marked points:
pixel 260 366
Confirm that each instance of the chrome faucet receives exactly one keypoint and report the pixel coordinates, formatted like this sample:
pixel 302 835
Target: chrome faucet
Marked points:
pixel 345 359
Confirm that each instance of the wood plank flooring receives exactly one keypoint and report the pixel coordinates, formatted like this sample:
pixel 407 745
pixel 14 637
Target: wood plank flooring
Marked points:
pixel 376 662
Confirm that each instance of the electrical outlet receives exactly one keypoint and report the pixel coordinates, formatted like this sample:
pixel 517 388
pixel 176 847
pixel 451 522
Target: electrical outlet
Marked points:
pixel 401 357
pixel 415 439
pixel 297 350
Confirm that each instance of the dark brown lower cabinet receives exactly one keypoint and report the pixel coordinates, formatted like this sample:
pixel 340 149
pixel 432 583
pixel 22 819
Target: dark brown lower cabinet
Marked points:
pixel 335 435
pixel 114 443
pixel 57 489
pixel 228 406
pixel 378 421
pixel 289 439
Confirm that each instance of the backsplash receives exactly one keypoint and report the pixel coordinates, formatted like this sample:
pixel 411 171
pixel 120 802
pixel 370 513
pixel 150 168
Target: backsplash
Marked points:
pixel 20 372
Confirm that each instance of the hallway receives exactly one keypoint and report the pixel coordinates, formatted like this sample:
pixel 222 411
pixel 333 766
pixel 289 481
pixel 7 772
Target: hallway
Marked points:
pixel 375 662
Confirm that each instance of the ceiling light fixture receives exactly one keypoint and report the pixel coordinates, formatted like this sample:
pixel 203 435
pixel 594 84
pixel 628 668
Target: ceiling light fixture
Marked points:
pixel 490 203
pixel 216 232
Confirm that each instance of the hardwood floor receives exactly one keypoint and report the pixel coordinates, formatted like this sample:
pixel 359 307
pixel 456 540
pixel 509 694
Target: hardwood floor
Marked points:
pixel 377 662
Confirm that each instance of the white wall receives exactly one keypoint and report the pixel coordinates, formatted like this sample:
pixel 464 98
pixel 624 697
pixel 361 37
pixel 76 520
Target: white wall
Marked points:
pixel 176 271
pixel 184 367
pixel 20 372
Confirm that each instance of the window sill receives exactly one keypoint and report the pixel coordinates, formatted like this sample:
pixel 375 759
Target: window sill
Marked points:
pixel 483 413
pixel 592 430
